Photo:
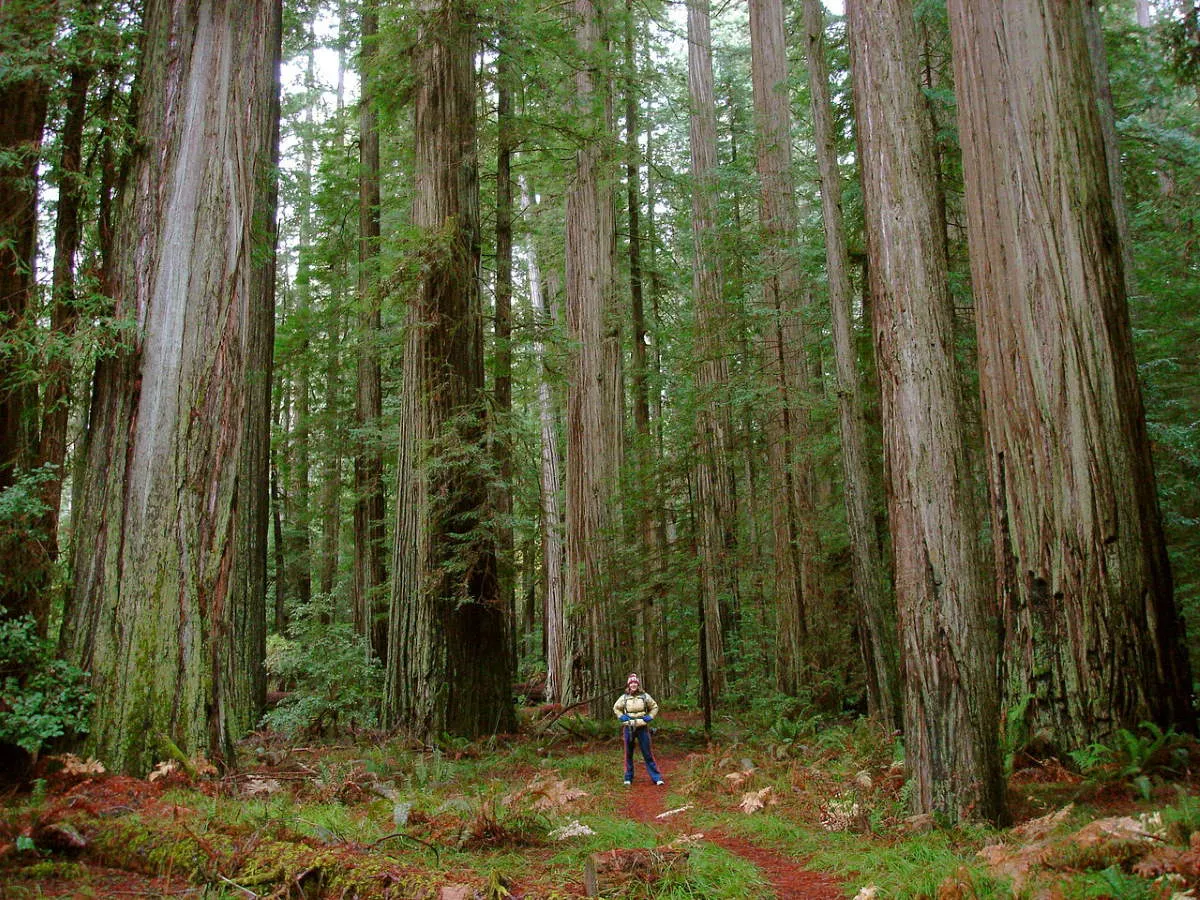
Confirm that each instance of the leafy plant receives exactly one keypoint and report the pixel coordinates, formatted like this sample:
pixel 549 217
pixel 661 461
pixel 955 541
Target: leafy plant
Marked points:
pixel 41 698
pixel 335 683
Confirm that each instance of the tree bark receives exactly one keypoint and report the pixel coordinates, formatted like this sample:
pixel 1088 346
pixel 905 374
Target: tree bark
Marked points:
pixel 1092 635
pixel 947 613
pixel 448 661
pixel 597 637
pixel 169 558
pixel 872 590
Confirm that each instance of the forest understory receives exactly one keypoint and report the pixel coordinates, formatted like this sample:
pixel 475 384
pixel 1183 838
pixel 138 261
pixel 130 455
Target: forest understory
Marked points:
pixel 807 809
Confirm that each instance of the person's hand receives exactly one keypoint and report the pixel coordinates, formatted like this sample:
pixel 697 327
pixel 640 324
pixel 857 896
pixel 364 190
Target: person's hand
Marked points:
pixel 648 719
pixel 626 719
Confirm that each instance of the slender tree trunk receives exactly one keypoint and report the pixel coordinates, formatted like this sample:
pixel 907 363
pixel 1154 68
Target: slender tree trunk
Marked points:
pixel 550 473
pixel 169 550
pixel 648 650
pixel 370 574
pixel 717 533
pixel 448 661
pixel 872 591
pixel 1092 634
pixel 947 615
pixel 24 90
pixel 59 366
pixel 597 635
pixel 797 552
pixel 503 350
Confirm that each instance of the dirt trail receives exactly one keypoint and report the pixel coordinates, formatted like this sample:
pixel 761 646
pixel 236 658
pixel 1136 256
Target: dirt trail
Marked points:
pixel 788 879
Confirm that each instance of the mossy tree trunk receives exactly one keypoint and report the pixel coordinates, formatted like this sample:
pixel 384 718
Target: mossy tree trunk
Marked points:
pixel 448 661
pixel 167 606
pixel 946 608
pixel 1093 640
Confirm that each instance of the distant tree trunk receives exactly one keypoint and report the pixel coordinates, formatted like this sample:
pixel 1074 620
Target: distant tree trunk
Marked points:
pixel 330 496
pixel 59 365
pixel 448 661
pixel 1143 13
pixel 1092 634
pixel 169 525
pixel 947 615
pixel 717 533
pixel 370 609
pixel 872 591
pixel 24 89
pixel 597 634
pixel 796 549
pixel 502 440
pixel 551 487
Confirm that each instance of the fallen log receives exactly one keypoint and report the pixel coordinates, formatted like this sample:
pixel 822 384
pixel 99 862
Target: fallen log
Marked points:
pixel 614 870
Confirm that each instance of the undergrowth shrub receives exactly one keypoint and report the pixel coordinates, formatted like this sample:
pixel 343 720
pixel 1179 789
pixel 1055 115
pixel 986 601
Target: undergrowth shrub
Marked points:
pixel 334 682
pixel 41 698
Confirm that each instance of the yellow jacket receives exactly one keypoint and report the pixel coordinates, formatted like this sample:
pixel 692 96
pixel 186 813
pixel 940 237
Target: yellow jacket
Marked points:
pixel 638 707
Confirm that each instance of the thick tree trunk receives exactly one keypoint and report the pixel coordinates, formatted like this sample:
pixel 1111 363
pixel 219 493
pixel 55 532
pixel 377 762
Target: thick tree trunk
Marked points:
pixel 24 90
pixel 872 590
pixel 169 551
pixel 369 605
pixel 598 638
pixel 717 514
pixel 1092 634
pixel 797 551
pixel 448 661
pixel 947 613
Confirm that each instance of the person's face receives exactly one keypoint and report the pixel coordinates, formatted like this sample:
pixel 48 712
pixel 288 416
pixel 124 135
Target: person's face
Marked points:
pixel 633 686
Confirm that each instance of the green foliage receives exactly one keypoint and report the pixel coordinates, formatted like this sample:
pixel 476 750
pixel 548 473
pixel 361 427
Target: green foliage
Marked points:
pixel 41 698
pixel 334 681
pixel 1135 754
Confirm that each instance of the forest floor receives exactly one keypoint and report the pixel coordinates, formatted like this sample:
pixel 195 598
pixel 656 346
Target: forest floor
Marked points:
pixel 809 812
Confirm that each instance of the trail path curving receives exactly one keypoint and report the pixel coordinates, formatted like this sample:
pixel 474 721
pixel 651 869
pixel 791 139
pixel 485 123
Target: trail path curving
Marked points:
pixel 787 878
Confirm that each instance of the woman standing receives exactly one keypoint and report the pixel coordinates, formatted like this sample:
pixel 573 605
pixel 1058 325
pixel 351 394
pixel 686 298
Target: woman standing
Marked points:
pixel 636 710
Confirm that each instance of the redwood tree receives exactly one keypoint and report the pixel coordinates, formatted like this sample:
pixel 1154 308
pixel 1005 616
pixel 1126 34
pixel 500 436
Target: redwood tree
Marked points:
pixel 1092 633
pixel 947 616
pixel 448 663
pixel 167 606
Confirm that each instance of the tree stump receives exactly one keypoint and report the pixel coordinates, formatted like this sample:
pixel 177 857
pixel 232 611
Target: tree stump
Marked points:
pixel 612 870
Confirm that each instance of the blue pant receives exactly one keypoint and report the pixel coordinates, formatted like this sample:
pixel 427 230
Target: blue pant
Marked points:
pixel 642 735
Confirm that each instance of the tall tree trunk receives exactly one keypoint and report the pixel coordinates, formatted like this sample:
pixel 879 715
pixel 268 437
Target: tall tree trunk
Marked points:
pixel 717 534
pixel 502 441
pixel 872 591
pixel 169 551
pixel 550 476
pixel 59 365
pixel 24 89
pixel 648 649
pixel 370 609
pixel 947 615
pixel 448 661
pixel 597 638
pixel 796 550
pixel 1092 634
